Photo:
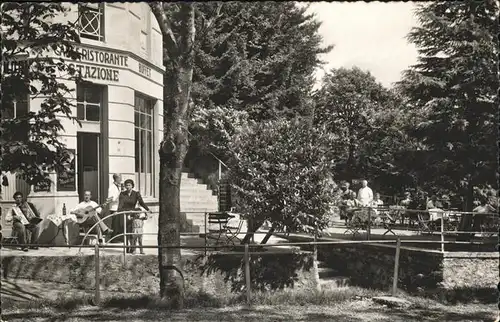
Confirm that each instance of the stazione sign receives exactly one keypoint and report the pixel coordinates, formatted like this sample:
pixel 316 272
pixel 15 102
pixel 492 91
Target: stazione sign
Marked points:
pixel 100 57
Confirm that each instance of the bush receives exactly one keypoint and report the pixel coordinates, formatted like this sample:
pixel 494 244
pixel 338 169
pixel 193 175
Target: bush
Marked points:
pixel 281 172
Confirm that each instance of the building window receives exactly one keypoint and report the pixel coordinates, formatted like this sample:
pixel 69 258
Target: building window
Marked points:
pixel 145 27
pixel 91 20
pixel 88 102
pixel 144 144
pixel 16 108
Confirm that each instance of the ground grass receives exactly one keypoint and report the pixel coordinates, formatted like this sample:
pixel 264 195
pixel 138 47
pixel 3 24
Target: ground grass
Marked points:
pixel 343 304
pixel 194 300
pixel 354 310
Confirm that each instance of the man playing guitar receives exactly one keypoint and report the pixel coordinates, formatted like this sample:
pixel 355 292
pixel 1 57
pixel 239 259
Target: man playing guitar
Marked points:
pixel 25 218
pixel 86 214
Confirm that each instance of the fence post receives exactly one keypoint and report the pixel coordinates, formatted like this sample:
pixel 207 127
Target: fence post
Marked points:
pixel 396 268
pixel 206 229
pixel 247 275
pixel 315 260
pixel 124 238
pixel 368 230
pixel 442 232
pixel 220 171
pixel 97 298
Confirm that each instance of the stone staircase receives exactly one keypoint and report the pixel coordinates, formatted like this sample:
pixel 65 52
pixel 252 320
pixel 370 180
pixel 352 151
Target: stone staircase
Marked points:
pixel 329 278
pixel 196 198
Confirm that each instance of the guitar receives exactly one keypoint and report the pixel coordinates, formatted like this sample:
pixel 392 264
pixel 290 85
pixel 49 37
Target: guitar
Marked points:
pixel 83 214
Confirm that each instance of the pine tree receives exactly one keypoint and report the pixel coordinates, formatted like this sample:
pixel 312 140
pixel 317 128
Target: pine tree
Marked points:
pixel 256 62
pixel 454 84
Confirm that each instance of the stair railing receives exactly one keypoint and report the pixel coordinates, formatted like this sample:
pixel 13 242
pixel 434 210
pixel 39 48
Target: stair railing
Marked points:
pixel 221 163
pixel 219 176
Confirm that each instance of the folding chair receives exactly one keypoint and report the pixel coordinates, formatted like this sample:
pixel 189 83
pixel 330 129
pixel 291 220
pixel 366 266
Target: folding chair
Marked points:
pixel 220 221
pixel 232 232
pixel 359 220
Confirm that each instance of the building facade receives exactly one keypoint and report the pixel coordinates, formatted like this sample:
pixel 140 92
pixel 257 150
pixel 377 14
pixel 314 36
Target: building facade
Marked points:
pixel 120 109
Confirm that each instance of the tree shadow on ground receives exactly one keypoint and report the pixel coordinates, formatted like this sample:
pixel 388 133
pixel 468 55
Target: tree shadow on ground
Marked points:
pixel 339 312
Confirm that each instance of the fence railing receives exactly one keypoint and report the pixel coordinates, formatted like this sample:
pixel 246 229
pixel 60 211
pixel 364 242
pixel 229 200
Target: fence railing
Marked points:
pixel 444 216
pixel 246 247
pixel 366 219
pixel 247 255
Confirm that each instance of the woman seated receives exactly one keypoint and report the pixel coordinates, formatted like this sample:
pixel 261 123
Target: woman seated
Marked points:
pixel 376 203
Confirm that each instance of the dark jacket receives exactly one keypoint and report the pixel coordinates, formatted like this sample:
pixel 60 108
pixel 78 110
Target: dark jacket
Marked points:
pixel 126 202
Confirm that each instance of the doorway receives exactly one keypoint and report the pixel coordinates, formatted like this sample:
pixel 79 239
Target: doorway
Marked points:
pixel 89 161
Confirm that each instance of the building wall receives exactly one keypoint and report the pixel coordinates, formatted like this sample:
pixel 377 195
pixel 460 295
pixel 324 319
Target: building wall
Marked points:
pixel 131 55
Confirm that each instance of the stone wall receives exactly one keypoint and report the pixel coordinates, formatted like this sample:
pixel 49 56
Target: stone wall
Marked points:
pixel 470 270
pixel 370 265
pixel 140 274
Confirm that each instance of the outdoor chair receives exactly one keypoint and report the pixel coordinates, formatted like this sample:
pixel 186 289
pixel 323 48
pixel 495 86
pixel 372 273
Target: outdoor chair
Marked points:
pixel 360 220
pixel 221 231
pixel 10 240
pixel 489 225
pixel 390 217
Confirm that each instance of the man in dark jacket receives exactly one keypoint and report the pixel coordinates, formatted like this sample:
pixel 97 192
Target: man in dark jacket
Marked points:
pixel 23 225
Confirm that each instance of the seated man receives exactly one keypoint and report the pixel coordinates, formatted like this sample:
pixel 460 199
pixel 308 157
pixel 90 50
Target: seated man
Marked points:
pixel 25 219
pixel 345 196
pixel 406 200
pixel 88 210
pixel 376 203
pixel 352 204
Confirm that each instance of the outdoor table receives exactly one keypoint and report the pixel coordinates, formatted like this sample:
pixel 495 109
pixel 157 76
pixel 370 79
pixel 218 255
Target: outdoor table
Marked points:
pixel 61 222
pixel 437 214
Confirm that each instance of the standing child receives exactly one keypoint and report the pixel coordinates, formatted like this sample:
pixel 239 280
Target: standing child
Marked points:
pixel 137 230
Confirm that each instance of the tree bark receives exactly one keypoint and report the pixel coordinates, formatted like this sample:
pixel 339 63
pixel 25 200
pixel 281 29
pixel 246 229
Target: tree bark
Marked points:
pixel 177 95
pixel 268 235
pixel 251 230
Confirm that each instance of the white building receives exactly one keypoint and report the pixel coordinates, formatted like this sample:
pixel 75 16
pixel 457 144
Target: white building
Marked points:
pixel 121 112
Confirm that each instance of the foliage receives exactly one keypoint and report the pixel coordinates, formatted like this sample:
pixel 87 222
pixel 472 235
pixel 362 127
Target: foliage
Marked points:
pixel 352 104
pixel 257 59
pixel 218 125
pixel 267 272
pixel 280 171
pixel 30 143
pixel 454 85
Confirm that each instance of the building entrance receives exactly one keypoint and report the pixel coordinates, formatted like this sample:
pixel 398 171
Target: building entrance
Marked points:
pixel 89 165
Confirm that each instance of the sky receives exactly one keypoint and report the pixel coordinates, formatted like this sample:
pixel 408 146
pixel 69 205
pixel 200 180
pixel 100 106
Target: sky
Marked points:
pixel 368 35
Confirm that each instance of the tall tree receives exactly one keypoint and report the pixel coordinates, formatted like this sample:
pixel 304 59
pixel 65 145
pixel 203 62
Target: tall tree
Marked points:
pixel 34 53
pixel 178 28
pixel 455 84
pixel 348 104
pixel 258 59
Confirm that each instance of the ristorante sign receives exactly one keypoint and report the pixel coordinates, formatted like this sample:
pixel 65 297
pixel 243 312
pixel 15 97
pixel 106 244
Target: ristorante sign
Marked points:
pixel 100 57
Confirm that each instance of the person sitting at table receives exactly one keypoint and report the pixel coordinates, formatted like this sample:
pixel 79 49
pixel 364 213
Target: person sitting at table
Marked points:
pixel 22 215
pixel 90 209
pixel 434 203
pixel 435 211
pixel 406 199
pixel 376 203
pixel 345 196
pixel 352 204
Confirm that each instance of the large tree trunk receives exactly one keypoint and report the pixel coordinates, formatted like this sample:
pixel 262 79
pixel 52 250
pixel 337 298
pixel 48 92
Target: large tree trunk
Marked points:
pixel 466 221
pixel 255 225
pixel 173 149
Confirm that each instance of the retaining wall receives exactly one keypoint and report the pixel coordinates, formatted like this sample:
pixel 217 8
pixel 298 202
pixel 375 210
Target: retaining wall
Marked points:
pixel 217 275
